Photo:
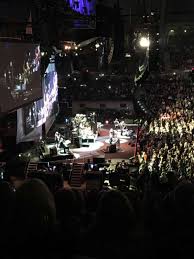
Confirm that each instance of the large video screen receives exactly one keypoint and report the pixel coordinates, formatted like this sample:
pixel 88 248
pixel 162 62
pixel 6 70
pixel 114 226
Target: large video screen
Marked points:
pixel 83 7
pixel 31 117
pixel 20 79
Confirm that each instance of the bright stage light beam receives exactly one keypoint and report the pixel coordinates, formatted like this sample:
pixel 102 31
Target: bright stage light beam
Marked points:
pixel 144 42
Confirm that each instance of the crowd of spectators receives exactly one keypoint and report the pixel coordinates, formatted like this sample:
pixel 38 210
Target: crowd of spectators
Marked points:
pixel 96 87
pixel 167 139
pixel 141 217
pixel 180 43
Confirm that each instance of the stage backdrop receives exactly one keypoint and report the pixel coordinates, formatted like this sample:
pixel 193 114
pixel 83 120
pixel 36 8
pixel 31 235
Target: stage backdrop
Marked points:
pixel 31 118
pixel 20 80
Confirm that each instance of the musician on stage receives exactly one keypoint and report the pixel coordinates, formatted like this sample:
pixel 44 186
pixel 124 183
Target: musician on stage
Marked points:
pixel 116 123
pixel 57 138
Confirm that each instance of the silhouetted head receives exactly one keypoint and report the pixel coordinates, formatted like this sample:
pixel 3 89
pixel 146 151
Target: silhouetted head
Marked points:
pixel 65 204
pixel 6 203
pixel 35 208
pixel 115 214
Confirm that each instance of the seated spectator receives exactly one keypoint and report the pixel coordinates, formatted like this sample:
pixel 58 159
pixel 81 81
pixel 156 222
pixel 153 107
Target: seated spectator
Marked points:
pixel 16 171
pixel 112 236
pixel 34 217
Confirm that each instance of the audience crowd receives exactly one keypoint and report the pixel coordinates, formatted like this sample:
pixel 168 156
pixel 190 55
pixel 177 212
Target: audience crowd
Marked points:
pixel 166 141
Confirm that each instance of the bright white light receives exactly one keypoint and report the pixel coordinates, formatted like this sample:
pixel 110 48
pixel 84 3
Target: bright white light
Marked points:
pixel 97 45
pixel 96 78
pixel 127 55
pixel 144 42
pixel 76 54
pixel 185 30
pixel 171 31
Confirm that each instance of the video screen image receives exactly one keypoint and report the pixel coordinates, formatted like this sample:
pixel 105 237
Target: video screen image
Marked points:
pixel 32 116
pixel 20 79
pixel 83 6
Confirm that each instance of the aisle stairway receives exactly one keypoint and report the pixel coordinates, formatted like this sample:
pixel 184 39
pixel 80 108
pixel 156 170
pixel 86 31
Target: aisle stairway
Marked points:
pixel 76 175
pixel 32 167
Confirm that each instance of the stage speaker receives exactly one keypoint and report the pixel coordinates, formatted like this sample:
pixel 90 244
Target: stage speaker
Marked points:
pixel 85 145
pixel 53 151
pixel 113 148
pixel 76 142
pixel 99 160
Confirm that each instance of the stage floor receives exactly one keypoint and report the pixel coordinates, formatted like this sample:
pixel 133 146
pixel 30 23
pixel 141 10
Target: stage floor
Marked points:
pixel 100 147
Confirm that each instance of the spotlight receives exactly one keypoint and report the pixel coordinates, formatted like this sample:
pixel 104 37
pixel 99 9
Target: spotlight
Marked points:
pixel 144 42
pixel 97 45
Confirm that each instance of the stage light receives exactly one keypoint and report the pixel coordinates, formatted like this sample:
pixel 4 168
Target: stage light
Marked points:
pixel 76 54
pixel 127 55
pixel 157 33
pixel 185 31
pixel 172 31
pixel 97 45
pixel 109 87
pixel 76 47
pixel 96 78
pixel 144 42
pixel 68 75
pixel 106 122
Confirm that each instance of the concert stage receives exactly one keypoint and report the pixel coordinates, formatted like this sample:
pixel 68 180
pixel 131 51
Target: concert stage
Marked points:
pixel 100 147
